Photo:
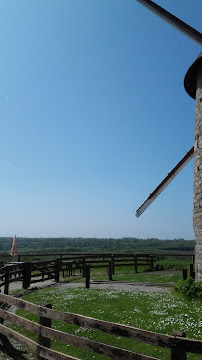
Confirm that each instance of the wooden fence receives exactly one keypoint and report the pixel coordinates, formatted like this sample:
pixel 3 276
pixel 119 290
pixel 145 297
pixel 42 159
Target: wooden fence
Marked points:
pixel 27 272
pixel 39 271
pixel 102 260
pixel 178 344
pixel 33 272
pixel 182 254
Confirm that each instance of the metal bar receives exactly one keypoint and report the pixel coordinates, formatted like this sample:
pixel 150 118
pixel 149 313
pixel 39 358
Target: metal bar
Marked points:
pixel 166 181
pixel 173 20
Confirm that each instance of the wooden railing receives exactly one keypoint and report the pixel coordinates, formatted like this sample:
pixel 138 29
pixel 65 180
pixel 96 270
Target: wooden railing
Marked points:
pixel 33 272
pixel 27 272
pixel 10 273
pixel 102 261
pixel 29 257
pixel 177 343
pixel 39 271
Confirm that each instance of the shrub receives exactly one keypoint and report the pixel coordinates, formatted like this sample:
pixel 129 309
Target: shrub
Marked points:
pixel 189 287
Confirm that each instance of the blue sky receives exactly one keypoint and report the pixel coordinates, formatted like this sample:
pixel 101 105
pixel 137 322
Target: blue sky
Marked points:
pixel 93 116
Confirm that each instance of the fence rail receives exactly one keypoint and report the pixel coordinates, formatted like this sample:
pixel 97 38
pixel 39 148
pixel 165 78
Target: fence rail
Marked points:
pixel 178 345
pixel 182 254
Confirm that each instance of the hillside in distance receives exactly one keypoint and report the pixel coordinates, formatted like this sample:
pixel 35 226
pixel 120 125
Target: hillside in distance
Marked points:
pixel 95 245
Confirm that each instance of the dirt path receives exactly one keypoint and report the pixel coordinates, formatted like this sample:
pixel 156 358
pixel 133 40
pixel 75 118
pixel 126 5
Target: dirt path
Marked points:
pixel 120 285
pixel 113 285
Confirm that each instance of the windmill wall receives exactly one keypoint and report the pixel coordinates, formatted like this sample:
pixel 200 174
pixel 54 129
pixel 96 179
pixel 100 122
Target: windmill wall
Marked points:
pixel 197 201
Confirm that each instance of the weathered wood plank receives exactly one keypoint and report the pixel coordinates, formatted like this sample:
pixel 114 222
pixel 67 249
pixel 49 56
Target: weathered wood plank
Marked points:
pixel 84 321
pixel 40 350
pixel 149 337
pixel 74 340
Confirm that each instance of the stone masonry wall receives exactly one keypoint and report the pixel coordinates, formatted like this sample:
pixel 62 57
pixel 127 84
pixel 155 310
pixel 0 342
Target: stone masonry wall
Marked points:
pixel 197 201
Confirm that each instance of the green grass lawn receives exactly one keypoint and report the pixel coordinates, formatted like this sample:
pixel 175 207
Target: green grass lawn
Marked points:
pixel 172 264
pixel 142 277
pixel 159 312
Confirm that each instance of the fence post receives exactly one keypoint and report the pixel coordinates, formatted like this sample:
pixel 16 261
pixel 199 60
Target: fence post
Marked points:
pixel 112 261
pixel 70 269
pixel 7 276
pixel 42 274
pixel 184 274
pixel 177 352
pixel 135 263
pixel 87 276
pixel 57 270
pixel 45 322
pixel 191 269
pixel 84 266
pixel 110 270
pixel 152 262
pixel 15 269
pixel 26 275
pixel 21 270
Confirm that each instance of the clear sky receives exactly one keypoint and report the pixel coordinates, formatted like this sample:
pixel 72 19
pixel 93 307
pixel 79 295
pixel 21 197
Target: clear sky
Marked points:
pixel 93 116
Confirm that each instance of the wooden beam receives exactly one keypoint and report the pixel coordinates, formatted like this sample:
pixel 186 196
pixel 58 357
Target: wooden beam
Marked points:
pixel 74 340
pixel 173 20
pixel 40 350
pixel 105 326
pixel 166 182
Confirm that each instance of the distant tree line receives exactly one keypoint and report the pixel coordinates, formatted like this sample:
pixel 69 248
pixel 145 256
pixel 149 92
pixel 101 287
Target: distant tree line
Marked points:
pixel 95 245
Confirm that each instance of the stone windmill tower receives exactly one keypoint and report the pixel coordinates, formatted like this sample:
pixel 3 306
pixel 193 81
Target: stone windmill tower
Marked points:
pixel 193 86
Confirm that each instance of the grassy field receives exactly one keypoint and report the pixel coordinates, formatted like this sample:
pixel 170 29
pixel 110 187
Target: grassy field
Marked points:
pixel 159 312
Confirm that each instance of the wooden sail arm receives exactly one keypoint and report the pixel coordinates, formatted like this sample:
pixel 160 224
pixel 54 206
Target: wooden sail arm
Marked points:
pixel 173 20
pixel 166 181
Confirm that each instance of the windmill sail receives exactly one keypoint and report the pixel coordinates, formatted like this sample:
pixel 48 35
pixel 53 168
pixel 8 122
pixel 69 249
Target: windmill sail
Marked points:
pixel 173 20
pixel 166 181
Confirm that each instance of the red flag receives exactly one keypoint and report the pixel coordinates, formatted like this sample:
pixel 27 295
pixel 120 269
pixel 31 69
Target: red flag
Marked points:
pixel 14 249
